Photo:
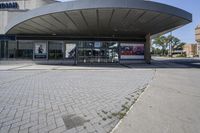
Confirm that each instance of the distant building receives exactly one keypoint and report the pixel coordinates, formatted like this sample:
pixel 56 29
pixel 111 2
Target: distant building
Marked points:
pixel 197 35
pixel 190 50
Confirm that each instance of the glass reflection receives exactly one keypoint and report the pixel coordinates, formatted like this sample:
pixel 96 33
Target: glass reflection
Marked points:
pixel 55 50
pixel 98 52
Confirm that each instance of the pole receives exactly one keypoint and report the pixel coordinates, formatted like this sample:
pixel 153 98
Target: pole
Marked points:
pixel 170 45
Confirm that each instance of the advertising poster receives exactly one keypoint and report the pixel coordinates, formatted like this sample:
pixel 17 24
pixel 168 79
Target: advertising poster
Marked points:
pixel 40 50
pixel 70 51
pixel 132 51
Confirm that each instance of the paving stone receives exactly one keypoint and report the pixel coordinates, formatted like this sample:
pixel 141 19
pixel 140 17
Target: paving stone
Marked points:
pixel 58 130
pixel 5 129
pixel 28 125
pixel 23 130
pixel 14 130
pixel 36 101
pixel 11 122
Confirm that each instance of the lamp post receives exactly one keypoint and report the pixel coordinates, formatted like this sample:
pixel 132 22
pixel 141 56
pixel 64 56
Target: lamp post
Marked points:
pixel 170 45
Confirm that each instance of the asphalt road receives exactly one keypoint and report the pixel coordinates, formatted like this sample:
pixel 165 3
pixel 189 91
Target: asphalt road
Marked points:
pixel 188 62
pixel 170 103
pixel 193 63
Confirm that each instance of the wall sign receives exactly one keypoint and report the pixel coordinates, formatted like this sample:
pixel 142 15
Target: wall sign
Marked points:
pixel 132 51
pixel 7 37
pixel 10 5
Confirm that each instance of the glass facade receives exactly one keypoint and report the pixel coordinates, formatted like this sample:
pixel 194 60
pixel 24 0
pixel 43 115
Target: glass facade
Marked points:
pixel 2 49
pixel 25 49
pixel 16 49
pixel 55 50
pixel 98 52
pixel 77 51
pixel 12 49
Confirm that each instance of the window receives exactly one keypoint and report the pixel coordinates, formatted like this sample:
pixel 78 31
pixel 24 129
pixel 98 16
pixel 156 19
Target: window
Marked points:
pixel 97 52
pixel 12 49
pixel 55 50
pixel 25 49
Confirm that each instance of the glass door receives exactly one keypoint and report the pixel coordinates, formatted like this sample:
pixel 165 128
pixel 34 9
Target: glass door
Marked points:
pixel 55 50
pixel 97 52
pixel 85 52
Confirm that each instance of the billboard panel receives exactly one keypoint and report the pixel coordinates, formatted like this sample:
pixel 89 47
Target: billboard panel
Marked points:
pixel 40 50
pixel 132 51
pixel 70 50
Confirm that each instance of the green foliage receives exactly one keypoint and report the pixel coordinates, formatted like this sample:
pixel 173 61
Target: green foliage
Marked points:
pixel 162 45
pixel 181 55
pixel 162 41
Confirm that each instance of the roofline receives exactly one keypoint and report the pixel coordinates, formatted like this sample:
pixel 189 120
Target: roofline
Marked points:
pixel 99 4
pixel 53 0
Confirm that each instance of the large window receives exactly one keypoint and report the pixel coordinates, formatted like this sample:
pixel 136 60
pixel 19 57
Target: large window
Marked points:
pixel 12 49
pixel 1 49
pixel 97 52
pixel 112 51
pixel 25 49
pixel 56 50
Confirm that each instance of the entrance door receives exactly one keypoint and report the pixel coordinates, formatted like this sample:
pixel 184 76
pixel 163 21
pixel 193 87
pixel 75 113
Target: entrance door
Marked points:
pixel 55 50
pixel 85 50
pixel 2 49
pixel 97 52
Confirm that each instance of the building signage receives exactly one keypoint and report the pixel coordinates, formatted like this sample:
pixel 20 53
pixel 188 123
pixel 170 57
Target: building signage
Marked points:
pixel 40 50
pixel 7 38
pixel 9 5
pixel 132 51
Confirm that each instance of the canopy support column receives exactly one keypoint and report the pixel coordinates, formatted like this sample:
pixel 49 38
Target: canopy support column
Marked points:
pixel 147 49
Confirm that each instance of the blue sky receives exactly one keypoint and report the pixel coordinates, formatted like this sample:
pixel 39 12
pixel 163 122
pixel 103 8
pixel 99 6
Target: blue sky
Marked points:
pixel 186 33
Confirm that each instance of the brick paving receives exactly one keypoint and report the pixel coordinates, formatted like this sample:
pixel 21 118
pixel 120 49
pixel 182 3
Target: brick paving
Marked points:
pixel 70 101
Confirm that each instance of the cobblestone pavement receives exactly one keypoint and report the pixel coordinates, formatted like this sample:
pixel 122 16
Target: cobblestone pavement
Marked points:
pixel 71 101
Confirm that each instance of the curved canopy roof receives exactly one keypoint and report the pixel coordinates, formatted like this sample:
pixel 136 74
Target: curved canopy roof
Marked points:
pixel 99 18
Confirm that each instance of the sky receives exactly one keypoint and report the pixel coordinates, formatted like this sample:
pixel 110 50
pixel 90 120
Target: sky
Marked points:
pixel 187 33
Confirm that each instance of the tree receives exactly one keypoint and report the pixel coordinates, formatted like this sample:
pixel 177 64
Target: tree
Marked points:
pixel 177 44
pixel 163 42
pixel 167 44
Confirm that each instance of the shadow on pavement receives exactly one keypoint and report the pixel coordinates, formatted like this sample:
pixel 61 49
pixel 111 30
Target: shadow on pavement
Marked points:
pixel 168 63
pixel 156 63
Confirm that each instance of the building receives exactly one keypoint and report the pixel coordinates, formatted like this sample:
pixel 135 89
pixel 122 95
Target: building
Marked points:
pixel 84 31
pixel 190 50
pixel 16 7
pixel 197 36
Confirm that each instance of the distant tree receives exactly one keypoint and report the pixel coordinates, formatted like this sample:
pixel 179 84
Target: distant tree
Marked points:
pixel 163 42
pixel 156 51
pixel 180 46
pixel 176 43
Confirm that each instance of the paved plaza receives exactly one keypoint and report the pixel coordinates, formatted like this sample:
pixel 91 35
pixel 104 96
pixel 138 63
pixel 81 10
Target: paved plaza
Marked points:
pixel 41 98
